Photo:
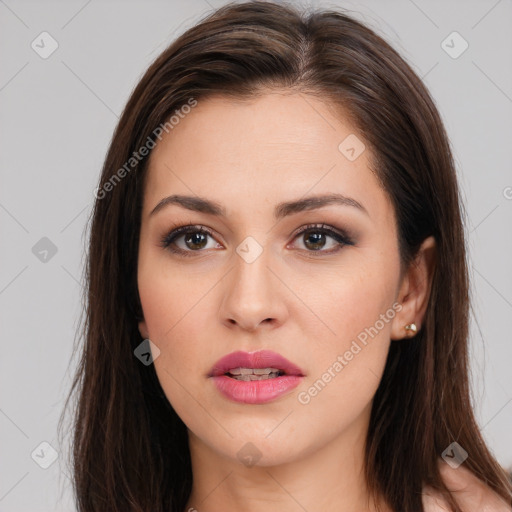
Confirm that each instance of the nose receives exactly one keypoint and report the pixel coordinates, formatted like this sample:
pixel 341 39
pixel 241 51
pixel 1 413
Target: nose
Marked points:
pixel 253 294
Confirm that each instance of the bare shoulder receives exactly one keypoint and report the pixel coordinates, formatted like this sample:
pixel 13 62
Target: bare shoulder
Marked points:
pixel 471 493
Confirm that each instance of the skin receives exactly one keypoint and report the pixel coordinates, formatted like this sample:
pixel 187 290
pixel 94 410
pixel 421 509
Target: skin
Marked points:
pixel 309 307
pixel 471 494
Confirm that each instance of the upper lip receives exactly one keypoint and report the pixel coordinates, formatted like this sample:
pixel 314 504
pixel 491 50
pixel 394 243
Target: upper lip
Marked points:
pixel 258 359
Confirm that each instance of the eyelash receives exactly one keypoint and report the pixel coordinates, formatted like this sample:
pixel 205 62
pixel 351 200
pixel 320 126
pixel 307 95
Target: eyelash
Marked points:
pixel 338 235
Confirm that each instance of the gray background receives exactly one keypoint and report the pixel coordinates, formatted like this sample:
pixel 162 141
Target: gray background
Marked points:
pixel 57 117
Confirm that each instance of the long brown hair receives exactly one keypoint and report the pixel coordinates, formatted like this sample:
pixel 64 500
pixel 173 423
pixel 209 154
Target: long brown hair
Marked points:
pixel 130 449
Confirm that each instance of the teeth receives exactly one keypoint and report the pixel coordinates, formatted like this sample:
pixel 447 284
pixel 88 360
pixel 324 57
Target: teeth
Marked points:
pixel 249 377
pixel 264 371
pixel 252 371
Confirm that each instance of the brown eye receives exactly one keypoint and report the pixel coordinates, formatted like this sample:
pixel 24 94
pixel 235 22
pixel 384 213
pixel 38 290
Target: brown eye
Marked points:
pixel 315 238
pixel 195 238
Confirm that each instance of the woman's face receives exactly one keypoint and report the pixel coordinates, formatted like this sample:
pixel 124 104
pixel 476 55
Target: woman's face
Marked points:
pixel 252 282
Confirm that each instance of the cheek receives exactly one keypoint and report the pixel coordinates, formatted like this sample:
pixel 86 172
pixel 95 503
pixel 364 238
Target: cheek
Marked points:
pixel 353 298
pixel 170 299
pixel 358 307
pixel 177 317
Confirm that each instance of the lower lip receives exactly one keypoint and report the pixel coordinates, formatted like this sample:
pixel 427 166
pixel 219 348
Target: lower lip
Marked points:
pixel 255 391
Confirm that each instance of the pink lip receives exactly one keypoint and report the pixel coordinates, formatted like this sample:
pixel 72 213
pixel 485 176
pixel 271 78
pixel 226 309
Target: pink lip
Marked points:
pixel 256 391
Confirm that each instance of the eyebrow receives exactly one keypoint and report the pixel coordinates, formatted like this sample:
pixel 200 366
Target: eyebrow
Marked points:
pixel 203 205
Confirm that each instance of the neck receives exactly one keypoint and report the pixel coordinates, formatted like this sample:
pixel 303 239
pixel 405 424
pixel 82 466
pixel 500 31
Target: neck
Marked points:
pixel 328 478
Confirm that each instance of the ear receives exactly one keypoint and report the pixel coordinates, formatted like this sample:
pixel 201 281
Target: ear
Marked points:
pixel 143 329
pixel 415 290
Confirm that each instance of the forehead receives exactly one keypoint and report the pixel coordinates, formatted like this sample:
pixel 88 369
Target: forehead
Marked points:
pixel 273 147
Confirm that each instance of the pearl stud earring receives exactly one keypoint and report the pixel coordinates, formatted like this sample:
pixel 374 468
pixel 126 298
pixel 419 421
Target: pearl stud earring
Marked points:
pixel 411 327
